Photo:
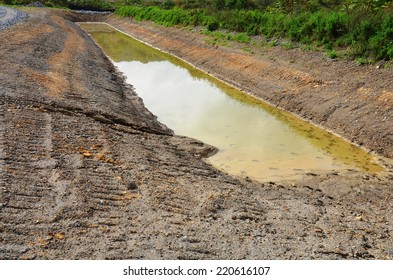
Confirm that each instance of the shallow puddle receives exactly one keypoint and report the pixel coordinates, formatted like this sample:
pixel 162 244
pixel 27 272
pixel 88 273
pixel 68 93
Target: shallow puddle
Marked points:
pixel 254 139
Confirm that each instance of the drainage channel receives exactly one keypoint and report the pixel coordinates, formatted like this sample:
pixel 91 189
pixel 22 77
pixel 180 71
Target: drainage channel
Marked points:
pixel 254 139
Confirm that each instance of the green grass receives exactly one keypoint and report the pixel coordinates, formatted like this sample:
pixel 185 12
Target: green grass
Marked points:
pixel 363 35
pixel 97 5
pixel 332 54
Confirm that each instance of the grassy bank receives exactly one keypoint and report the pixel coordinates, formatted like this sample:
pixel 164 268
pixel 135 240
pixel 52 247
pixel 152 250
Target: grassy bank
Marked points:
pixel 359 29
pixel 355 34
pixel 95 5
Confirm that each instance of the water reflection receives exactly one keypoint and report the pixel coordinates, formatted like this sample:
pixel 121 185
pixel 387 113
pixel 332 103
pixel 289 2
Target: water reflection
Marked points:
pixel 254 139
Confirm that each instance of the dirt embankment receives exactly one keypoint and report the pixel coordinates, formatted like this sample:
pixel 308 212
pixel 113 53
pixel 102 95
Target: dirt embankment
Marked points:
pixel 86 172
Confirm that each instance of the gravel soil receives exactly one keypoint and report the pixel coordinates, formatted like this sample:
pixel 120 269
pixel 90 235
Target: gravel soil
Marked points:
pixel 9 17
pixel 86 172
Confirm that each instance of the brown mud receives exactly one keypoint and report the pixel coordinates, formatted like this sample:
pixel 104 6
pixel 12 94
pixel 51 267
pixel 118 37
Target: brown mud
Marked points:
pixel 86 172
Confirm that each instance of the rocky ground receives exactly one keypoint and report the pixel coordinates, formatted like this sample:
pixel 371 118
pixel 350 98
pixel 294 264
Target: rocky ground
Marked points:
pixel 86 172
pixel 9 17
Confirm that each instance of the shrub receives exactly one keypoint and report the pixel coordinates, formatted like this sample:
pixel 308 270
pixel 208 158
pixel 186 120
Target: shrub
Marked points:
pixel 213 24
pixel 380 42
pixel 331 54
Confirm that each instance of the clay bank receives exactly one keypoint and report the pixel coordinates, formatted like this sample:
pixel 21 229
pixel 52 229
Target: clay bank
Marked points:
pixel 87 172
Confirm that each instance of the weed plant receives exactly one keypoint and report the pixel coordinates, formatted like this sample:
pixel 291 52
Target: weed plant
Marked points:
pixel 364 35
pixel 355 28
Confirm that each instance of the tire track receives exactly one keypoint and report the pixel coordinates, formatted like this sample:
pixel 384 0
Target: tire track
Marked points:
pixel 27 180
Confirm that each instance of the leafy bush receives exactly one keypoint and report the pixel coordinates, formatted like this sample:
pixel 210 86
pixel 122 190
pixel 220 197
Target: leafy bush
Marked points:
pixel 381 44
pixel 88 4
pixel 213 24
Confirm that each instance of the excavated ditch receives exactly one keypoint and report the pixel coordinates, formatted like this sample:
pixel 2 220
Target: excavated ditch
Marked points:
pixel 86 172
pixel 253 139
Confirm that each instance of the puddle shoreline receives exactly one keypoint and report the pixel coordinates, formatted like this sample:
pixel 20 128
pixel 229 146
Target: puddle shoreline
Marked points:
pixel 295 173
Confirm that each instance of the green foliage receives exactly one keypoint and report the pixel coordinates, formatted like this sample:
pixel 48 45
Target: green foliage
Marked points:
pixel 361 60
pixel 242 38
pixel 213 24
pixel 88 4
pixel 331 54
pixel 381 43
pixel 169 17
pixel 97 5
pixel 287 45
pixel 363 27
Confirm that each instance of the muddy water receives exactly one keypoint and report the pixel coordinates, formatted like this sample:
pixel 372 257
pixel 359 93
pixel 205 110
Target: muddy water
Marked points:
pixel 254 139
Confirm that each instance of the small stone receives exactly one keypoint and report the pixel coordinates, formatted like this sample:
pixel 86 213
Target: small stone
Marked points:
pixel 390 252
pixel 59 235
pixel 132 186
pixel 183 238
pixel 318 230
pixel 87 154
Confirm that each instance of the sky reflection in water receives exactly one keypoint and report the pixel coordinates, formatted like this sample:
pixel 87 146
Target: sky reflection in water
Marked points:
pixel 254 139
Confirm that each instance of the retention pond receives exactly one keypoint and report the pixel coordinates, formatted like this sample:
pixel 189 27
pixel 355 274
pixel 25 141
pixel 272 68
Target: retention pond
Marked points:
pixel 254 139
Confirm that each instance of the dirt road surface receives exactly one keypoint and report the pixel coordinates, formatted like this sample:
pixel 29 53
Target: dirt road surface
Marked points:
pixel 86 172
